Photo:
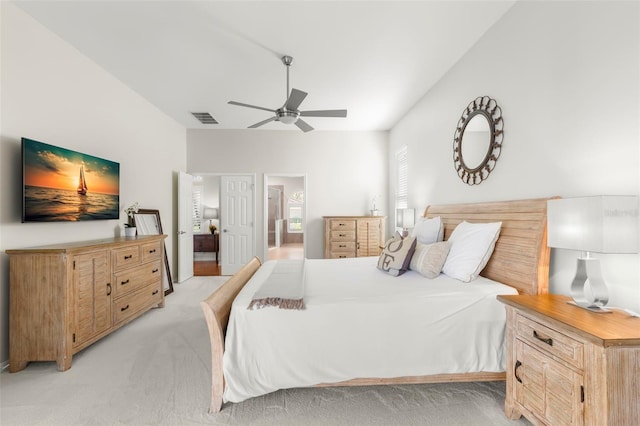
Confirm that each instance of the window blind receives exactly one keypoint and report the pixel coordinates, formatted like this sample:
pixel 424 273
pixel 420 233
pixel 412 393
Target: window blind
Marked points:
pixel 197 208
pixel 402 179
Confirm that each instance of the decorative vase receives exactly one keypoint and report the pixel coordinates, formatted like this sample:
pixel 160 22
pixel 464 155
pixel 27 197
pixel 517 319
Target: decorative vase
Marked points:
pixel 130 231
pixel 374 212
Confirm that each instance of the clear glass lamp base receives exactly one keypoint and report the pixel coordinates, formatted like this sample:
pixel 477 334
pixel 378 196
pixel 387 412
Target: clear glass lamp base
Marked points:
pixel 589 270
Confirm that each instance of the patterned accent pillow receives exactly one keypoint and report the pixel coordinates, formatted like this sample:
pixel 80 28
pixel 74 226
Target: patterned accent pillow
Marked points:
pixel 396 255
pixel 428 259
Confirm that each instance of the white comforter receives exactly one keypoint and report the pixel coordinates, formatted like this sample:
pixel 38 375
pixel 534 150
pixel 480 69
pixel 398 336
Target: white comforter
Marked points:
pixel 360 322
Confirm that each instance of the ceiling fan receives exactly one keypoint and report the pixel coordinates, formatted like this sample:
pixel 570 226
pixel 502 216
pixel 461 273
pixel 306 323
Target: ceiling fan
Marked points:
pixel 289 112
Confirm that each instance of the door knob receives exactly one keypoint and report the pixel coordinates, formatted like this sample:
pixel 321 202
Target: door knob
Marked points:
pixel 181 232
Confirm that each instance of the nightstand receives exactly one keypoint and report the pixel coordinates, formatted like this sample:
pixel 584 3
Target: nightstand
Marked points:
pixel 566 365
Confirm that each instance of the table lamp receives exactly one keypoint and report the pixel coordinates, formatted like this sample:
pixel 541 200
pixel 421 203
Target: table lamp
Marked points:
pixel 210 213
pixel 405 218
pixel 601 224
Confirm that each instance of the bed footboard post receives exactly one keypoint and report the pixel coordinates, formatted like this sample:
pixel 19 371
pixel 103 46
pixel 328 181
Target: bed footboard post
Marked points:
pixel 217 308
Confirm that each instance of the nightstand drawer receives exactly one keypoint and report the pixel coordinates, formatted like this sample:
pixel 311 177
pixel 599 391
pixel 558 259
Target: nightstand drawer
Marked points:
pixel 550 341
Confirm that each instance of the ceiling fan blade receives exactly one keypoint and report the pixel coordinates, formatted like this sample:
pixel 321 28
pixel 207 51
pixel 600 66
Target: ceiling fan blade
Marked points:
pixel 295 99
pixel 263 122
pixel 325 113
pixel 251 106
pixel 302 125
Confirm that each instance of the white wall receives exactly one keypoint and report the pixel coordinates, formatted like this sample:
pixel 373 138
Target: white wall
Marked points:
pixel 344 169
pixel 566 75
pixel 51 93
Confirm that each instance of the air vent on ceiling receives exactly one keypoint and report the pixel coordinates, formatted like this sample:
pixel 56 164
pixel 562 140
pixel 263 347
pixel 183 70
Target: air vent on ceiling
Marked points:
pixel 204 117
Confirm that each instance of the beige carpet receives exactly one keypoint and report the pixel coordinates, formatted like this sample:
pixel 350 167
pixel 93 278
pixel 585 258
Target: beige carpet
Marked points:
pixel 156 371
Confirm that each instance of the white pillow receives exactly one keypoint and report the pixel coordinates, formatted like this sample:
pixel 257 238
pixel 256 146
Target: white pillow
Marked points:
pixel 428 259
pixel 428 231
pixel 471 247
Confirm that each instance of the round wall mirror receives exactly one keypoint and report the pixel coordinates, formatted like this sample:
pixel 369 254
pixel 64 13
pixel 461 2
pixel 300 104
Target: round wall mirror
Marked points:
pixel 477 141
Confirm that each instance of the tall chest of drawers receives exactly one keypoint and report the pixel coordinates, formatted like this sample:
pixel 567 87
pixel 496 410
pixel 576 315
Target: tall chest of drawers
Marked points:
pixel 569 366
pixel 353 236
pixel 65 297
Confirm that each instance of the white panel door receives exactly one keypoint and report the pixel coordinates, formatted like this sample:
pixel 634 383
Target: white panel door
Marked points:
pixel 237 234
pixel 185 226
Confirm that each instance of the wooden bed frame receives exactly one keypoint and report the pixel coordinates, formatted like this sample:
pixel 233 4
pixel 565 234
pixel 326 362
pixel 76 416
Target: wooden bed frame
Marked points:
pixel 520 260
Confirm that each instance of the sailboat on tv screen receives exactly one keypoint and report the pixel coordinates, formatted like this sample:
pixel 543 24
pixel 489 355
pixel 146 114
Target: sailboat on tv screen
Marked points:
pixel 82 183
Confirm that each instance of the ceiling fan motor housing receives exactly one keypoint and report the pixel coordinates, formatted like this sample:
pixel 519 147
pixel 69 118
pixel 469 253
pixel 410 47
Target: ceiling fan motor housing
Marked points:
pixel 287 116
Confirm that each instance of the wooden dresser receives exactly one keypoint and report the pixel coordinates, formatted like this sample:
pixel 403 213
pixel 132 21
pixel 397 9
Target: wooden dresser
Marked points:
pixel 569 366
pixel 353 236
pixel 65 297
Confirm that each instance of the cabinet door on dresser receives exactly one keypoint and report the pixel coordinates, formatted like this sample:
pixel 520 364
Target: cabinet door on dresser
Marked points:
pixel 91 295
pixel 369 237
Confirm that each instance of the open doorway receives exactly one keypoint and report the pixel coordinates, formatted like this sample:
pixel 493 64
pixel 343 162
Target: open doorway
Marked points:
pixel 285 215
pixel 206 243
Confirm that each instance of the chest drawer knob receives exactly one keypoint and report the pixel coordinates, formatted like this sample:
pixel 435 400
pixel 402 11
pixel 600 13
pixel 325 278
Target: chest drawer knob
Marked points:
pixel 547 340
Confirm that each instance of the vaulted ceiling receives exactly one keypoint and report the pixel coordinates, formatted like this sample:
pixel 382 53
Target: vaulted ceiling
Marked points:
pixel 374 58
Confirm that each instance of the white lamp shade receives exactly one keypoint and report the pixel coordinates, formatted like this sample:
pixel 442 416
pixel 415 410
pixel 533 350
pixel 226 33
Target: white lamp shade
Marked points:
pixel 210 213
pixel 601 224
pixel 405 218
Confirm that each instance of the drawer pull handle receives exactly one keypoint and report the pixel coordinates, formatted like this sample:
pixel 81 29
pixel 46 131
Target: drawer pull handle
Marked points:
pixel 155 292
pixel 124 282
pixel 341 245
pixel 152 251
pixel 124 308
pixel 342 224
pixel 108 289
pixel 154 271
pixel 128 257
pixel 547 340
pixel 515 371
pixel 342 235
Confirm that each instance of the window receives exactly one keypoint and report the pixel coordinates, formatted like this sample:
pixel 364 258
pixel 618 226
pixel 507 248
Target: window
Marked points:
pixel 196 198
pixel 295 211
pixel 402 179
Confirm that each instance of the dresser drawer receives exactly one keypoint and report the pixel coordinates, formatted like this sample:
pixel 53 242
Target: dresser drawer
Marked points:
pixel 343 246
pixel 343 235
pixel 151 251
pixel 135 278
pixel 550 341
pixel 129 306
pixel 344 225
pixel 341 254
pixel 125 257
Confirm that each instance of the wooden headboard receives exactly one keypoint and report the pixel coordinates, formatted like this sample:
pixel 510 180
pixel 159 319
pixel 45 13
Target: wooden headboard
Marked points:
pixel 521 255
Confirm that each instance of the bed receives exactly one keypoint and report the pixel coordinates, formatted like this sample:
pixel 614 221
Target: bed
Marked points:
pixel 390 348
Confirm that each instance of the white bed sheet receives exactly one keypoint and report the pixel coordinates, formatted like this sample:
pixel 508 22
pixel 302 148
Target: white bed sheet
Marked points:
pixel 360 322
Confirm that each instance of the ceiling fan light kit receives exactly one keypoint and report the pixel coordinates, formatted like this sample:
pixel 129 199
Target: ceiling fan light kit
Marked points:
pixel 289 112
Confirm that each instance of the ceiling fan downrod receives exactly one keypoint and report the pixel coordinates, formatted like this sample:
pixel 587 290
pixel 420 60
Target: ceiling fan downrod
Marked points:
pixel 287 60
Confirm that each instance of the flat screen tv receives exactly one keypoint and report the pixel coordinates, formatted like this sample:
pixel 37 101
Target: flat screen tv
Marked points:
pixel 59 184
